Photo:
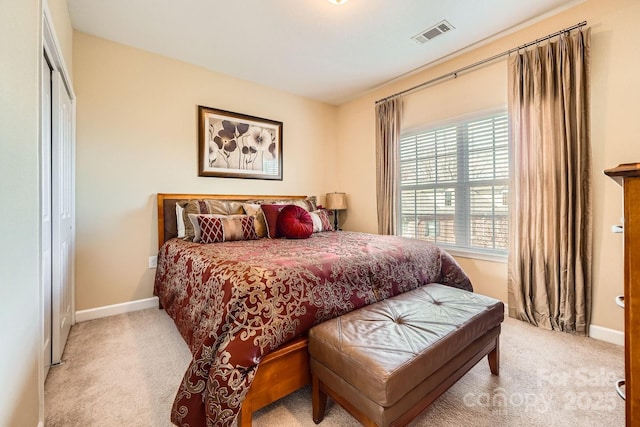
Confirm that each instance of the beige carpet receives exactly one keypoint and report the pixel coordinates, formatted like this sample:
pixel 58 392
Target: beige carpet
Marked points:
pixel 124 371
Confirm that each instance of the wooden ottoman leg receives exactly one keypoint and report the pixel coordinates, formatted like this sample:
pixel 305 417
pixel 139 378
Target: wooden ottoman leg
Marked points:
pixel 318 400
pixel 494 358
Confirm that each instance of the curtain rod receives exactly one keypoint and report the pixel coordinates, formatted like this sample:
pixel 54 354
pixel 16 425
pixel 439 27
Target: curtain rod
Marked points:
pixel 455 73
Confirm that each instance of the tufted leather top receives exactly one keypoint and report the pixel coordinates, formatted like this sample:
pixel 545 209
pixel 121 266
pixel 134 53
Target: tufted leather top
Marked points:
pixel 387 348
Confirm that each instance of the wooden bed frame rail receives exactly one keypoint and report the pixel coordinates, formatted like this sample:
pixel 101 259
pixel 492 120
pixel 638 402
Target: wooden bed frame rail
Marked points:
pixel 279 374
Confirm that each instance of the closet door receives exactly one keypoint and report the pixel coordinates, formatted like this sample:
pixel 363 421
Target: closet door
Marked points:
pixel 45 215
pixel 62 215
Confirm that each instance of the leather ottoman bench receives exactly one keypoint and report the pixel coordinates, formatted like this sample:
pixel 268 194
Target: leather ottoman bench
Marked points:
pixel 386 362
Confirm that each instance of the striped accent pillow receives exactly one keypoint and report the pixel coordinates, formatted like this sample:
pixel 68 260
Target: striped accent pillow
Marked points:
pixel 238 227
pixel 222 228
pixel 321 221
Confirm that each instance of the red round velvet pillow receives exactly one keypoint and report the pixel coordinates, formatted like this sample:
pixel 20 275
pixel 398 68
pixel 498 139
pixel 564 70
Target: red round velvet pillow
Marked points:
pixel 294 222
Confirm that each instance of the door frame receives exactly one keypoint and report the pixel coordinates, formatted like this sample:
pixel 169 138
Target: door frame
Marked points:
pixel 46 226
pixel 50 46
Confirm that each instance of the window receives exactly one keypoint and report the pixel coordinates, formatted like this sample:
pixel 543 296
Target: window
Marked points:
pixel 454 185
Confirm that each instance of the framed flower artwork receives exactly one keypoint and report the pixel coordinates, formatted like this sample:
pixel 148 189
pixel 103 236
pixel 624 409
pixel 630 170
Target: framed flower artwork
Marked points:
pixel 234 145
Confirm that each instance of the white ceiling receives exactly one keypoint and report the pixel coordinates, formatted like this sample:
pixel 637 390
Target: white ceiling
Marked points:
pixel 311 48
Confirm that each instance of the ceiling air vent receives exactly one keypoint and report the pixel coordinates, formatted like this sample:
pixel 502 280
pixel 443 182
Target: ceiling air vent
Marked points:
pixel 430 33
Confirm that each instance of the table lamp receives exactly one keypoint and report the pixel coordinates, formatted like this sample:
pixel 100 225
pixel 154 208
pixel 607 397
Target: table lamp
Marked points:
pixel 336 202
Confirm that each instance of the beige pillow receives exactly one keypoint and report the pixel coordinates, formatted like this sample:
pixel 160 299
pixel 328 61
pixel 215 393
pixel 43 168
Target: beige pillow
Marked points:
pixel 308 204
pixel 258 218
pixel 235 208
pixel 206 206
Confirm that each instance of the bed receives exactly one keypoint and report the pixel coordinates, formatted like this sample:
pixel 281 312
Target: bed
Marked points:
pixel 244 306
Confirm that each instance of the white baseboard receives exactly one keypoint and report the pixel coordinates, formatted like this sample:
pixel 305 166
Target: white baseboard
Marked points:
pixel 597 332
pixel 112 310
pixel 605 334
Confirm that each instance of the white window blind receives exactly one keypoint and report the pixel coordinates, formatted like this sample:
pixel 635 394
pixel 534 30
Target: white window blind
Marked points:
pixel 454 185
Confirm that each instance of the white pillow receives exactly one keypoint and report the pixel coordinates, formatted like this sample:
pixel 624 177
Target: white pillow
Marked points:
pixel 180 221
pixel 317 222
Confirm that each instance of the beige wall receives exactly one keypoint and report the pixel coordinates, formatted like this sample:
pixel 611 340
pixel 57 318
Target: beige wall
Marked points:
pixel 19 246
pixel 137 136
pixel 615 93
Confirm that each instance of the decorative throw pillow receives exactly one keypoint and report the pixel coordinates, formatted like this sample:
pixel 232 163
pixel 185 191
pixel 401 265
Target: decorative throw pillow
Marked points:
pixel 210 228
pixel 238 227
pixel 294 222
pixel 321 221
pixel 255 211
pixel 271 213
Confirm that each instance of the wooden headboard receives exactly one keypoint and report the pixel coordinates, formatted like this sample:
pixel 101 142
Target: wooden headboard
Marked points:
pixel 167 225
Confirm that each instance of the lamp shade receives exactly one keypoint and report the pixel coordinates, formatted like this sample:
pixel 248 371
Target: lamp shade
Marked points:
pixel 336 201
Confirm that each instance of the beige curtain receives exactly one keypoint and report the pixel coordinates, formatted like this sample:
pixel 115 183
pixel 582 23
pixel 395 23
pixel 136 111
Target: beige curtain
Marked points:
pixel 388 116
pixel 550 251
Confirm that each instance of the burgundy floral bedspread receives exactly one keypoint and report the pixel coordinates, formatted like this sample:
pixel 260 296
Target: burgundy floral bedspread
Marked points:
pixel 234 302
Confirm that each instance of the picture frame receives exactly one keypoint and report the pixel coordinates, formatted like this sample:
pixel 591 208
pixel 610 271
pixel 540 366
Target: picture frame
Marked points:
pixel 234 145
